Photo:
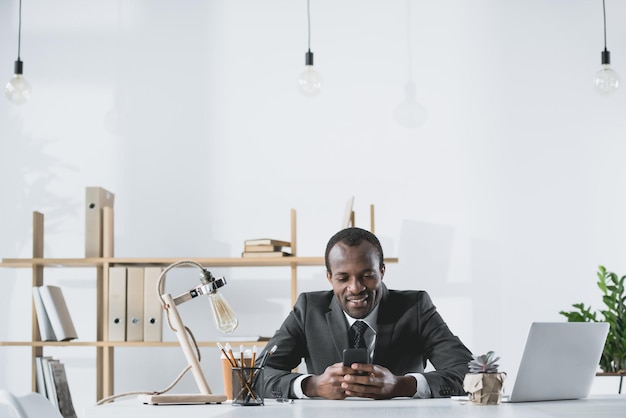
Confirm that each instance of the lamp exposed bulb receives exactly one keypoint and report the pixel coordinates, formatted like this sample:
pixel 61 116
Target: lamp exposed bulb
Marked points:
pixel 607 79
pixel 310 83
pixel 18 89
pixel 225 319
pixel 410 113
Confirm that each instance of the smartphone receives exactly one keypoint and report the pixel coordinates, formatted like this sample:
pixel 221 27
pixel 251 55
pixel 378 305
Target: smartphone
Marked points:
pixel 355 355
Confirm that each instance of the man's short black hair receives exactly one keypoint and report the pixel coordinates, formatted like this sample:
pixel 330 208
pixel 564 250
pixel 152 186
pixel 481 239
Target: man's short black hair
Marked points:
pixel 352 237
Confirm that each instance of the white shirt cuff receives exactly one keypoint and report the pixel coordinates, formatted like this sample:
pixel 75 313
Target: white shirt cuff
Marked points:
pixel 423 388
pixel 297 386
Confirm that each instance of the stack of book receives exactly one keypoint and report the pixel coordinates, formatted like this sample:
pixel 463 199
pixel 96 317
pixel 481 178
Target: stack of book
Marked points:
pixel 266 247
pixel 52 383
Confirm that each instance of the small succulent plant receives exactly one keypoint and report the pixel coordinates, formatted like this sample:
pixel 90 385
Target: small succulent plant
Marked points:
pixel 485 363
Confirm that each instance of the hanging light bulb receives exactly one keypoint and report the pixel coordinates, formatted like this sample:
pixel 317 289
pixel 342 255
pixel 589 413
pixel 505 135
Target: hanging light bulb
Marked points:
pixel 309 83
pixel 607 80
pixel 409 113
pixel 18 89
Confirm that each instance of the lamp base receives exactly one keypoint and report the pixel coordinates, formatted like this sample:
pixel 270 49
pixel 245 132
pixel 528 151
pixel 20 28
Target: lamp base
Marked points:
pixel 181 399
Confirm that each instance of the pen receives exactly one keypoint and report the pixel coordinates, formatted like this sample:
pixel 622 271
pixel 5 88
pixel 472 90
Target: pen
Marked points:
pixel 266 355
pixel 257 370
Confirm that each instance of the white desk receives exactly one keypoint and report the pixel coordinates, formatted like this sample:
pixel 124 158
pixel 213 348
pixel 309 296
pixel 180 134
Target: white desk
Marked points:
pixel 610 406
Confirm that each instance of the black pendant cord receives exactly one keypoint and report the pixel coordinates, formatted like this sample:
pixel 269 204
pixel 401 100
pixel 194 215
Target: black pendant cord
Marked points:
pixel 308 16
pixel 604 15
pixel 606 55
pixel 19 32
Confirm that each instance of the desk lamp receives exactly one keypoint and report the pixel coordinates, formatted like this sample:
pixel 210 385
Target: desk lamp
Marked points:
pixel 225 321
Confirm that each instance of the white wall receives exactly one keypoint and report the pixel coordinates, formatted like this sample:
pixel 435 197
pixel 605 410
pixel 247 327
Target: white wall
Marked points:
pixel 502 205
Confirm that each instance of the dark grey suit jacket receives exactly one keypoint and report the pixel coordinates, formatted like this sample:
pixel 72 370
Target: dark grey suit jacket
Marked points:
pixel 410 331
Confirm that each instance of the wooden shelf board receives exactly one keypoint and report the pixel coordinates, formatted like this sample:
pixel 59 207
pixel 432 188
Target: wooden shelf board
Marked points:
pixel 118 343
pixel 207 262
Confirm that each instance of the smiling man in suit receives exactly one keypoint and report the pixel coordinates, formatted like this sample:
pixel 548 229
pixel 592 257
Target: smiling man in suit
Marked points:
pixel 403 331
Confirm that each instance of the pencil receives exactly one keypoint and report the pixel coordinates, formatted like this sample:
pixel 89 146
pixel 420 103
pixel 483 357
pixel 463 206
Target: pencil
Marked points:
pixel 231 355
pixel 225 354
pixel 253 355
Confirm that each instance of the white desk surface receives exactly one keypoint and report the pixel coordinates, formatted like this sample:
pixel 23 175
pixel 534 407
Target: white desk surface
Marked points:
pixel 610 406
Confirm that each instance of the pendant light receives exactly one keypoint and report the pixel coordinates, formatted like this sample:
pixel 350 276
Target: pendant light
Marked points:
pixel 18 89
pixel 607 80
pixel 310 83
pixel 410 113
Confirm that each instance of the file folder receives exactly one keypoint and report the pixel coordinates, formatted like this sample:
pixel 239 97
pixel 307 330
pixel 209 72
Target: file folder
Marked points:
pixel 117 304
pixel 134 304
pixel 152 311
pixel 96 198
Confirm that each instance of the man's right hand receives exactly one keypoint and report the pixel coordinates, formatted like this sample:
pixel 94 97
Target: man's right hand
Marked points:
pixel 328 384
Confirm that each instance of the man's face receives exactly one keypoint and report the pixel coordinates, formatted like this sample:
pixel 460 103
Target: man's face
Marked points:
pixel 356 277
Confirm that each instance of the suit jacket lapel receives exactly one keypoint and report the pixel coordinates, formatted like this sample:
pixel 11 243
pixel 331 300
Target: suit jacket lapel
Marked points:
pixel 385 324
pixel 337 327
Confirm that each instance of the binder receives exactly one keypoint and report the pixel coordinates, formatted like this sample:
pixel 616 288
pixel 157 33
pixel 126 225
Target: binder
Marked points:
pixel 152 311
pixel 134 304
pixel 117 304
pixel 46 333
pixel 96 198
pixel 59 315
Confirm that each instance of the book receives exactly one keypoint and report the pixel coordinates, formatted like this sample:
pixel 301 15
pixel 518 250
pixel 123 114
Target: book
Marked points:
pixel 267 241
pixel 267 254
pixel 40 376
pixel 59 315
pixel 46 333
pixel 48 380
pixel 62 389
pixel 262 248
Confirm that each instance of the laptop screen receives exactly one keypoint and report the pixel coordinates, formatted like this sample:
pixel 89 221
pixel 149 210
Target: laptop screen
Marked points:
pixel 560 361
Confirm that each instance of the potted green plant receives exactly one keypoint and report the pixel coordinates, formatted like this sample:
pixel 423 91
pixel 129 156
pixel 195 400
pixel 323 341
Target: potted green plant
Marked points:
pixel 483 383
pixel 613 358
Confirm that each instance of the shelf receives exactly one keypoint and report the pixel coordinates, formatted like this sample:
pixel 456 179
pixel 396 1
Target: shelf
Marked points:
pixel 206 262
pixel 121 343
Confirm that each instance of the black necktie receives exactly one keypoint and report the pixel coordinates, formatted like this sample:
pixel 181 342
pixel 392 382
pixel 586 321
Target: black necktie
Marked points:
pixel 356 334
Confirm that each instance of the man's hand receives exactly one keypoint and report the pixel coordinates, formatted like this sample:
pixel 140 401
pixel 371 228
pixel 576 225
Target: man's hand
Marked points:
pixel 328 385
pixel 377 382
pixel 359 380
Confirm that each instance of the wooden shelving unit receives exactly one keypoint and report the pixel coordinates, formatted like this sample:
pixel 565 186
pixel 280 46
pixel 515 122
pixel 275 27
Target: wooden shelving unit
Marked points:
pixel 105 350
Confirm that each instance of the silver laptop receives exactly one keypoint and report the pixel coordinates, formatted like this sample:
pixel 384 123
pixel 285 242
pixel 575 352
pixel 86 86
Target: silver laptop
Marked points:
pixel 560 361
